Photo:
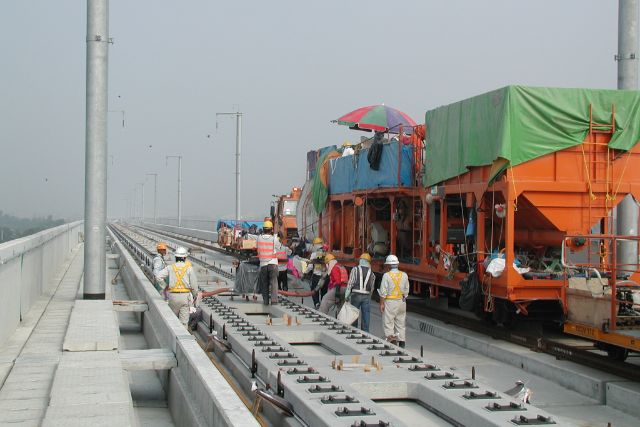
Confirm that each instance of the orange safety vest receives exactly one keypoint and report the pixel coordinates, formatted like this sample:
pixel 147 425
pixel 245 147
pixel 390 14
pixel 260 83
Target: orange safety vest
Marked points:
pixel 282 257
pixel 179 286
pixel 266 248
pixel 396 278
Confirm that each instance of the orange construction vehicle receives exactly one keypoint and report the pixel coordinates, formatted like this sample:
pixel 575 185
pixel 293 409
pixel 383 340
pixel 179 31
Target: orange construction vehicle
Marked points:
pixel 283 215
pixel 505 207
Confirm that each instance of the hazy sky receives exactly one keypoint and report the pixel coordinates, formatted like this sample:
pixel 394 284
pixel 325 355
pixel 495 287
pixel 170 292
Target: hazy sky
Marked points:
pixel 291 66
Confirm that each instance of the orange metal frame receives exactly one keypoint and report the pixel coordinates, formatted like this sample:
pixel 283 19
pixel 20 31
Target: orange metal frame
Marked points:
pixel 565 192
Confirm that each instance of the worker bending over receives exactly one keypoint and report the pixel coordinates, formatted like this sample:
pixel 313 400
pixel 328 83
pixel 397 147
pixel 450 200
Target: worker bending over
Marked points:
pixel 338 279
pixel 268 248
pixel 361 284
pixel 393 295
pixel 183 284
pixel 158 264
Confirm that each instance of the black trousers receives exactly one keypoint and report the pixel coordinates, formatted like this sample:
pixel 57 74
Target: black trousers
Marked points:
pixel 283 280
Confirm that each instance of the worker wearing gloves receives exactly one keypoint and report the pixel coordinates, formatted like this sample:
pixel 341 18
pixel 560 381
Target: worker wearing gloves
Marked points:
pixel 393 295
pixel 361 284
pixel 338 279
pixel 183 284
pixel 158 264
pixel 317 267
pixel 268 248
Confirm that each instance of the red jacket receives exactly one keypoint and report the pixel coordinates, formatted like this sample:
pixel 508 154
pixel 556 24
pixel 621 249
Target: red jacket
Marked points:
pixel 338 276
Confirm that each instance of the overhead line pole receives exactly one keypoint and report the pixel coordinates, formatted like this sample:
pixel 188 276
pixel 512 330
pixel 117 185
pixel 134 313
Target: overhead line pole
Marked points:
pixel 95 175
pixel 627 58
pixel 238 147
pixel 155 196
pixel 179 186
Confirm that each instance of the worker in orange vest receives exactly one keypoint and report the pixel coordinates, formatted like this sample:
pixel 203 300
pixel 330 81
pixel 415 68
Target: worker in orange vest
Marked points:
pixel 268 248
pixel 338 279
pixel 393 291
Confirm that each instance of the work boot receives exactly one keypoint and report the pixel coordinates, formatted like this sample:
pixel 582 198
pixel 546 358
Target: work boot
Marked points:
pixel 401 344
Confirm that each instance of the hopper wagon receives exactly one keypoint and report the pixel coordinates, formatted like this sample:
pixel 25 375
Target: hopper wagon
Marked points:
pixel 503 202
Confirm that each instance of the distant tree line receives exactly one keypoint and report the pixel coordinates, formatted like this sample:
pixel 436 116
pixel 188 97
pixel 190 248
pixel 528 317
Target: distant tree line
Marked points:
pixel 13 227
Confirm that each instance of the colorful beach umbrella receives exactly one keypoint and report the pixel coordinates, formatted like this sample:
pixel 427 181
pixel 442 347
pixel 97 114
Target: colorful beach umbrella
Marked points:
pixel 377 117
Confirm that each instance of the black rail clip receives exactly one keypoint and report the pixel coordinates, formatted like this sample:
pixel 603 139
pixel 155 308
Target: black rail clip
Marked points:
pixel 210 323
pixel 282 356
pixel 329 389
pixel 264 343
pixel 540 420
pixel 443 376
pixel 273 349
pixel 310 380
pixel 393 353
pixel 346 412
pixel 296 371
pixel 512 406
pixel 261 337
pixel 332 399
pixel 290 362
pixel 224 331
pixel 472 395
pixel 367 341
pixel 460 385
pixel 425 367
pixel 406 360
pixel 363 423
pixel 356 336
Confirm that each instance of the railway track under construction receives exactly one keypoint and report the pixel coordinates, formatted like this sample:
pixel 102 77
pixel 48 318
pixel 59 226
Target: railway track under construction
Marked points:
pixel 579 351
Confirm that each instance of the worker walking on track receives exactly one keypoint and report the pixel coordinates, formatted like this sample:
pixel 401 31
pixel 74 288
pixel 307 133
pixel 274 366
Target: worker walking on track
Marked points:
pixel 182 281
pixel 317 266
pixel 393 295
pixel 268 248
pixel 338 279
pixel 159 263
pixel 283 259
pixel 361 284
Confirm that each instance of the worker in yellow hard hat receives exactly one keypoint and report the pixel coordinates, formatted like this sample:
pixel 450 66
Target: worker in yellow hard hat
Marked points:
pixel 268 248
pixel 361 284
pixel 158 264
pixel 317 266
pixel 338 279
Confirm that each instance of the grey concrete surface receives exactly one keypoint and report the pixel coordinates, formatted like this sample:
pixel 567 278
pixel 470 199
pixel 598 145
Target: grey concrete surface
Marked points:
pixel 35 351
pixel 92 327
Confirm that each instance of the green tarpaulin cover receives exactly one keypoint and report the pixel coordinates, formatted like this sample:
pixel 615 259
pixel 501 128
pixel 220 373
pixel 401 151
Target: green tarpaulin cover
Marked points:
pixel 518 123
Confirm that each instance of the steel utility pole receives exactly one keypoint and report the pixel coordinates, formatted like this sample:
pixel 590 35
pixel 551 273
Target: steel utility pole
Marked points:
pixel 238 145
pixel 627 58
pixel 95 174
pixel 155 196
pixel 141 202
pixel 179 186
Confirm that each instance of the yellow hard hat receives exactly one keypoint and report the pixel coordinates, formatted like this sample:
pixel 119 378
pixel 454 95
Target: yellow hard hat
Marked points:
pixel 347 144
pixel 329 257
pixel 365 256
pixel 161 246
pixel 267 224
pixel 317 241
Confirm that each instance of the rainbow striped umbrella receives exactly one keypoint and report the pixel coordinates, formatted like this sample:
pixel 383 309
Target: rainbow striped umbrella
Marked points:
pixel 377 117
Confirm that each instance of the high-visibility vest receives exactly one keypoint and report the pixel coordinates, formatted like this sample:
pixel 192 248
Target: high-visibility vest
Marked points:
pixel 180 272
pixel 396 278
pixel 363 280
pixel 344 276
pixel 266 247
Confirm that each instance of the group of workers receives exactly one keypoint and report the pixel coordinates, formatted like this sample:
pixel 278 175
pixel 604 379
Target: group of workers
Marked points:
pixel 330 282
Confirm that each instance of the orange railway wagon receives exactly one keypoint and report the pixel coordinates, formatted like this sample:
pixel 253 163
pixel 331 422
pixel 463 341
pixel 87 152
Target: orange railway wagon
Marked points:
pixel 499 205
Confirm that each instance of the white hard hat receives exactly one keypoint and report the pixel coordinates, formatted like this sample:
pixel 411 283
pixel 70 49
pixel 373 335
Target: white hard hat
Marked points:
pixel 392 259
pixel 181 252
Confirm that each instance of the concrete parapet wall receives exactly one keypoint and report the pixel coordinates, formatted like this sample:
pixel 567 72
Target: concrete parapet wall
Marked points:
pixel 211 236
pixel 197 392
pixel 26 267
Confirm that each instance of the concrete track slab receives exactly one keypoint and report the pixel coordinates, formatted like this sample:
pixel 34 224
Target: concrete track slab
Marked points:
pixel 92 326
